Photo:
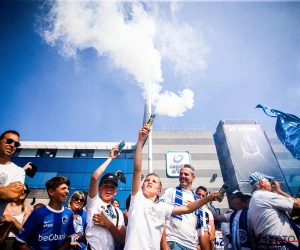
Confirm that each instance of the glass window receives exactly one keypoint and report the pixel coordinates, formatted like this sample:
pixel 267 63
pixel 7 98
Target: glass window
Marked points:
pixel 86 181
pixel 90 153
pixel 79 165
pixel 76 181
pixel 121 185
pixel 120 164
pixel 34 182
pixel 17 152
pixel 122 155
pixel 20 161
pixel 129 155
pixel 67 175
pixel 47 176
pixel 41 163
pixel 128 184
pixel 93 164
pixel 53 164
pixel 46 153
pixel 130 166
pixel 83 153
pixel 66 165
pixel 39 179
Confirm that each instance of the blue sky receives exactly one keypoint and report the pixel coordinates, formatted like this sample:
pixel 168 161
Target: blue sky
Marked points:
pixel 83 74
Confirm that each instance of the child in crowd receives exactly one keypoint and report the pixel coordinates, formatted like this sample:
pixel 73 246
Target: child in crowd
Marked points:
pixel 146 219
pixel 105 223
pixel 51 226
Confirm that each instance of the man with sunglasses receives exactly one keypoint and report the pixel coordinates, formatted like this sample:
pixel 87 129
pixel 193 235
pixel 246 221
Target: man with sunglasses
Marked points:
pixel 11 176
pixel 239 222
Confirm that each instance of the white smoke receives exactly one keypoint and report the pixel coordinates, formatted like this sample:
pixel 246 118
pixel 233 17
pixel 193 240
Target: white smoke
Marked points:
pixel 136 38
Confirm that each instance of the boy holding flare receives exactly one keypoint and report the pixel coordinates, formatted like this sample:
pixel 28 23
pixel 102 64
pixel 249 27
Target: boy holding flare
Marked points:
pixel 147 219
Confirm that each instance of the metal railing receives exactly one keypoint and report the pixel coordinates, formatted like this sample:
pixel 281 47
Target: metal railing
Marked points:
pixel 182 128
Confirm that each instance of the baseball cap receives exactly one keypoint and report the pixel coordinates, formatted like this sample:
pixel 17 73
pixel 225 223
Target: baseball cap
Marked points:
pixel 238 194
pixel 258 176
pixel 109 177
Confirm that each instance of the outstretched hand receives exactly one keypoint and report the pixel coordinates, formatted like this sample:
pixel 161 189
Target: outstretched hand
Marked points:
pixel 144 132
pixel 28 166
pixel 112 151
pixel 213 196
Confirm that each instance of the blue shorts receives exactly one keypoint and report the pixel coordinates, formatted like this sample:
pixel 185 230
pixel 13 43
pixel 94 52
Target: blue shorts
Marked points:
pixel 176 246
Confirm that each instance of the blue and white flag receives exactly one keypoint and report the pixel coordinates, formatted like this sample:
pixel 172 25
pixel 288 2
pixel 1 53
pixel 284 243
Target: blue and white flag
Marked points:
pixel 287 129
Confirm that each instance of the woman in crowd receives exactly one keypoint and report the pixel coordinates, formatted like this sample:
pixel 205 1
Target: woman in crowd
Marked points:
pixel 17 213
pixel 76 203
pixel 115 203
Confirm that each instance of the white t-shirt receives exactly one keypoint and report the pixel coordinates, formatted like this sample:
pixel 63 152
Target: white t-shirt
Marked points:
pixel 99 238
pixel 210 217
pixel 145 223
pixel 225 232
pixel 186 235
pixel 9 173
pixel 268 214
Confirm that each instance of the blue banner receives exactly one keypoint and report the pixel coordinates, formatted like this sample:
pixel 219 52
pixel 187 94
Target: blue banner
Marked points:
pixel 287 129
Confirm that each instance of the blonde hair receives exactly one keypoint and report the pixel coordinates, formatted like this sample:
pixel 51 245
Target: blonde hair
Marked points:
pixel 75 195
pixel 150 174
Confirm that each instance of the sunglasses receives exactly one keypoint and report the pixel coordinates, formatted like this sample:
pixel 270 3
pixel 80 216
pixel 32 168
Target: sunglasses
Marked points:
pixel 77 199
pixel 26 191
pixel 10 141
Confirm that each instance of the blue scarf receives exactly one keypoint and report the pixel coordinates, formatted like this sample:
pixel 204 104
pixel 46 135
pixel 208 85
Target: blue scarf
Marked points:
pixel 243 233
pixel 201 223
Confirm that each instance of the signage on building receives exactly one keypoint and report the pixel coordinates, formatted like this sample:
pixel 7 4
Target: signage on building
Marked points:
pixel 175 161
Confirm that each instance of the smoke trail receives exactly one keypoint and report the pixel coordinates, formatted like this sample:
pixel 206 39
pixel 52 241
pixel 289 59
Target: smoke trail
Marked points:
pixel 135 37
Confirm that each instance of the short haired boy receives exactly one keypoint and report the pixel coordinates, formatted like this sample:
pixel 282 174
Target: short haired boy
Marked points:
pixel 105 224
pixel 146 219
pixel 51 226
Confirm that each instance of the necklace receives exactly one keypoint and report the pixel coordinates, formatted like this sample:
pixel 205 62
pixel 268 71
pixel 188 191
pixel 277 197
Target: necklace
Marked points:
pixel 14 211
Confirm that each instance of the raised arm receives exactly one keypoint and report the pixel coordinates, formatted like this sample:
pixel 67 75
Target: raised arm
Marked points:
pixel 218 217
pixel 137 171
pixel 93 189
pixel 192 206
pixel 296 206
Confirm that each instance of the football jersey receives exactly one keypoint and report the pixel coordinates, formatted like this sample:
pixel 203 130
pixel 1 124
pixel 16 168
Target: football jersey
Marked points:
pixel 47 228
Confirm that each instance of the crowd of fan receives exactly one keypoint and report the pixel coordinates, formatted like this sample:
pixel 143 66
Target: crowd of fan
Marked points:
pixel 179 219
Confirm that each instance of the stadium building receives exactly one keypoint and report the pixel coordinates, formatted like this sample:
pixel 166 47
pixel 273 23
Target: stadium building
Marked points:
pixel 236 149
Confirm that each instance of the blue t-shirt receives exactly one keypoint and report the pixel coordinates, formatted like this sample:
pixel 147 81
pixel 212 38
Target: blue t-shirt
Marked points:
pixel 47 228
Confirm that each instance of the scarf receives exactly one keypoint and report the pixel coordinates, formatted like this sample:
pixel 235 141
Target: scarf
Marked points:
pixel 201 223
pixel 243 231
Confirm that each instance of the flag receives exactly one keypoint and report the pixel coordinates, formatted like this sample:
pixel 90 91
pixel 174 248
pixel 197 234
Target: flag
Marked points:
pixel 287 129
